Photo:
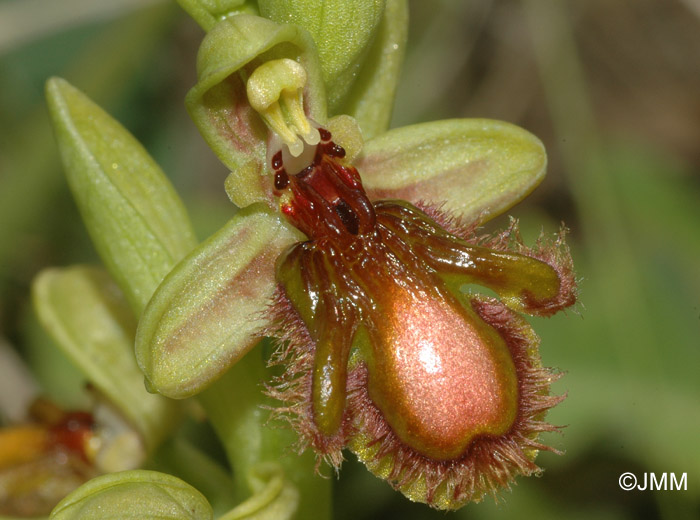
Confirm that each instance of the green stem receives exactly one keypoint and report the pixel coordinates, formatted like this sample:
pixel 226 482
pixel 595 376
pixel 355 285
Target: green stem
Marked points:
pixel 237 409
pixel 182 459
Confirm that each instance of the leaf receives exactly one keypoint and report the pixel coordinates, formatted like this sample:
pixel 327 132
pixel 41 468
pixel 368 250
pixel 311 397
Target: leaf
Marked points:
pixel 135 219
pixel 86 314
pixel 207 312
pixel 134 494
pixel 477 168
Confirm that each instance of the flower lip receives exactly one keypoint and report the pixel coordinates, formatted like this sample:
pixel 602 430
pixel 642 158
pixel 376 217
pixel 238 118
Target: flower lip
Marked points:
pixel 446 376
pixel 393 355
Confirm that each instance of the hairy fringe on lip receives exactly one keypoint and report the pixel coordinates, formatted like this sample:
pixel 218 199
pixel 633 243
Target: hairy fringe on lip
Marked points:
pixel 491 462
pixel 551 250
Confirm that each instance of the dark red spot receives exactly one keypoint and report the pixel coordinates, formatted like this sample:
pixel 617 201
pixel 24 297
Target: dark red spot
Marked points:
pixel 281 180
pixel 337 151
pixel 348 217
pixel 277 160
pixel 325 134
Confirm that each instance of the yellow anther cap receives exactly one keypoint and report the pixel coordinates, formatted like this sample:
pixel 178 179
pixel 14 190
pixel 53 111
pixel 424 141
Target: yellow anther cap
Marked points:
pixel 275 91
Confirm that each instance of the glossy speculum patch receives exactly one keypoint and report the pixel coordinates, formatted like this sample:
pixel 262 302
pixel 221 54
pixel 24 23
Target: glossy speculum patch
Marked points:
pixel 389 348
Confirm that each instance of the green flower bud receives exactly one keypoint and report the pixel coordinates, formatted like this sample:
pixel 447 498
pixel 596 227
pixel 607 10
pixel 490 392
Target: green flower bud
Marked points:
pixel 148 495
pixel 134 216
pixel 86 314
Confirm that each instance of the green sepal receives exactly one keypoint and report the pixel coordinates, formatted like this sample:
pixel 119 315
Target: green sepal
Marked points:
pixel 135 218
pixel 343 31
pixel 208 12
pixel 371 99
pixel 218 103
pixel 88 317
pixel 208 311
pixel 474 168
pixel 142 494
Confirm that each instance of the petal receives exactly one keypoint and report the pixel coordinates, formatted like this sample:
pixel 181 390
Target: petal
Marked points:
pixel 207 312
pixel 372 96
pixel 343 31
pixel 535 280
pixel 134 494
pixel 206 13
pixel 134 216
pixel 477 168
pixel 87 316
pixel 218 103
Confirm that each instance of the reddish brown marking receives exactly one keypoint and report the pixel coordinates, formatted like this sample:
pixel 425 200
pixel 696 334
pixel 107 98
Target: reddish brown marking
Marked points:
pixel 281 180
pixel 73 432
pixel 277 160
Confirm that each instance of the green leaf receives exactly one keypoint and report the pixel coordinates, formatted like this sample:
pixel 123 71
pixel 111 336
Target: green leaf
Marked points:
pixel 207 312
pixel 87 316
pixel 134 494
pixel 207 12
pixel 218 103
pixel 343 31
pixel 371 99
pixel 135 219
pixel 477 168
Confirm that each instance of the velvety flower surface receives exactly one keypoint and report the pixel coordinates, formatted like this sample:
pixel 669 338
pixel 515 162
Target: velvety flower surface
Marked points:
pixel 437 389
pixel 400 329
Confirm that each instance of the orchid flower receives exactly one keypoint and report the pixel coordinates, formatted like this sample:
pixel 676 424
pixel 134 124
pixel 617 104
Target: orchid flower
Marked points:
pixel 399 329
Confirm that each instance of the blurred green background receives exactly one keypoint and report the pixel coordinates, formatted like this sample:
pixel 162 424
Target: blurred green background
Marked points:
pixel 612 88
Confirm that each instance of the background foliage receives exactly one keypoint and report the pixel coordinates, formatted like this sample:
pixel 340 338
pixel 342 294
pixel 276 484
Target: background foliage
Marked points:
pixel 612 90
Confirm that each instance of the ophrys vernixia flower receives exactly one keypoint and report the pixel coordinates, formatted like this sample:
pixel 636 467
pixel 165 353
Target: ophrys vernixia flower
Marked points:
pixel 437 389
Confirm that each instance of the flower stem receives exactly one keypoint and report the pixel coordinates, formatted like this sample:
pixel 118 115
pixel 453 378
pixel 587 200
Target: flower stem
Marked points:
pixel 237 409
